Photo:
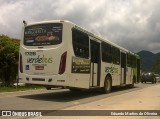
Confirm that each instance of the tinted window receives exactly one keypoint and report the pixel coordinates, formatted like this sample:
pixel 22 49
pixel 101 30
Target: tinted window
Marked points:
pixel 95 51
pixel 131 60
pixel 116 55
pixel 80 43
pixel 106 52
pixel 43 34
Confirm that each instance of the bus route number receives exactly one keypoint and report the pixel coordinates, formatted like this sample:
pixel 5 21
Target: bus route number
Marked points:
pixel 30 53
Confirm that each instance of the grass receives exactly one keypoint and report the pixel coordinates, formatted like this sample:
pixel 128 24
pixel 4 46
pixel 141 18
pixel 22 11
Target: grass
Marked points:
pixel 19 88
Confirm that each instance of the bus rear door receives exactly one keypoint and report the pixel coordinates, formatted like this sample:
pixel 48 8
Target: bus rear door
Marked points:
pixel 123 68
pixel 95 63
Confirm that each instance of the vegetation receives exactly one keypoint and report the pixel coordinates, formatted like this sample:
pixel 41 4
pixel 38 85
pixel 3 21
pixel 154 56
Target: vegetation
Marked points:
pixel 19 88
pixel 156 66
pixel 9 53
pixel 149 61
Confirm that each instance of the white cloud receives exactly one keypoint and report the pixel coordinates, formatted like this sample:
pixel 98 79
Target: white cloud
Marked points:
pixel 133 24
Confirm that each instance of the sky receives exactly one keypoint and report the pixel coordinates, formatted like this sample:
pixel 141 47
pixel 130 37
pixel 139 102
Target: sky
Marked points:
pixel 132 24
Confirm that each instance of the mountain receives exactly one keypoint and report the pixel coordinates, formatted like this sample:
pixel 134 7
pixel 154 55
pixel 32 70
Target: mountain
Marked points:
pixel 147 60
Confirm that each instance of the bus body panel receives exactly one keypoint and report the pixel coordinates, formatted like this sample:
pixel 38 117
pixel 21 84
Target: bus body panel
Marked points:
pixel 51 80
pixel 41 64
pixel 129 75
pixel 113 70
pixel 116 75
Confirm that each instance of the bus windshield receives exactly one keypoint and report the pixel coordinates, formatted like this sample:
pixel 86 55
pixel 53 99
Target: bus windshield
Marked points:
pixel 43 34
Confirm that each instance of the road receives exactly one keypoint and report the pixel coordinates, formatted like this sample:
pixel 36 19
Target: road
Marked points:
pixel 57 99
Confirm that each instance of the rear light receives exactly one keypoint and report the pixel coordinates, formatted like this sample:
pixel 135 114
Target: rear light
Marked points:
pixel 21 64
pixel 62 65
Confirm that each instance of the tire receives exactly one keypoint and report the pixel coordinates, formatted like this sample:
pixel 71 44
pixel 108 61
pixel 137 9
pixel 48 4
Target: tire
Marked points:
pixel 107 85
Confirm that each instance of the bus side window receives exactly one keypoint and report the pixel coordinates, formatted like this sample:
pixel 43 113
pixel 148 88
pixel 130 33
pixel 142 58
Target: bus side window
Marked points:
pixel 106 52
pixel 129 60
pixel 133 61
pixel 80 43
pixel 116 55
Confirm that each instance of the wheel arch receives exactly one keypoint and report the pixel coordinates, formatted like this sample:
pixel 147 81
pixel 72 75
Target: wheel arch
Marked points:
pixel 107 84
pixel 108 75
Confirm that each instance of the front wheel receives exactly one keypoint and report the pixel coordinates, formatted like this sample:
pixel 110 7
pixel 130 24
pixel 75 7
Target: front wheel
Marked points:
pixel 107 85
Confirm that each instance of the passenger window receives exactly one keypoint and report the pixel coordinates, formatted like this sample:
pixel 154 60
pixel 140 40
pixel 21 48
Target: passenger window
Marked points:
pixel 116 55
pixel 80 43
pixel 106 52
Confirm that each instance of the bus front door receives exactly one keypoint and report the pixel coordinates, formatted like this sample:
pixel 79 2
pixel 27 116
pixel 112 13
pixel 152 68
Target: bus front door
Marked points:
pixel 95 64
pixel 123 68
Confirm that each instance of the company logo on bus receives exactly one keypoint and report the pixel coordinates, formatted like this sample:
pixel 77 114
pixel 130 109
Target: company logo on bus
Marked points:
pixel 111 70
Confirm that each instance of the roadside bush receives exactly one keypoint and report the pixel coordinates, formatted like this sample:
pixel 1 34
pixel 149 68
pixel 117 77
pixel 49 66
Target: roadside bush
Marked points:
pixel 9 53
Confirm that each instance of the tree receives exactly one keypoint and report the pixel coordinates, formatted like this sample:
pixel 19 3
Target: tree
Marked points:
pixel 156 66
pixel 9 53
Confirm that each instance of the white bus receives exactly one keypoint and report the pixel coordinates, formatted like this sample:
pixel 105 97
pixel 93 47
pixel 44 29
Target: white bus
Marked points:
pixel 62 54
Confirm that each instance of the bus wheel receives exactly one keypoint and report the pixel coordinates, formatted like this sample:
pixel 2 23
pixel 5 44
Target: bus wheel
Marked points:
pixel 107 85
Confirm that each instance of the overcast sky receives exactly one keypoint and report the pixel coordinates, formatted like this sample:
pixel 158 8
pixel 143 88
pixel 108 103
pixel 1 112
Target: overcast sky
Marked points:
pixel 132 24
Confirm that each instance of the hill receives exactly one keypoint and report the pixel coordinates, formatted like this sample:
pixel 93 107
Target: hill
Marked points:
pixel 147 60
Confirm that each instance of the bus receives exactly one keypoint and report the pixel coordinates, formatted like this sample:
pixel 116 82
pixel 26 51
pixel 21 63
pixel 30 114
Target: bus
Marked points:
pixel 62 54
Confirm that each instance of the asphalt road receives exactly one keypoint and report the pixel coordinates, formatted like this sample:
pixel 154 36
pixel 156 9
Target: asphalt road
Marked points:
pixel 57 99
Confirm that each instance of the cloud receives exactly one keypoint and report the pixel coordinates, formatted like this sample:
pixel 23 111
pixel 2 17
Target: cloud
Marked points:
pixel 133 24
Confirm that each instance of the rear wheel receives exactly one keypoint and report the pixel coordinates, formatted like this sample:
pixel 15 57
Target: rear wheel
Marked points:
pixel 107 85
